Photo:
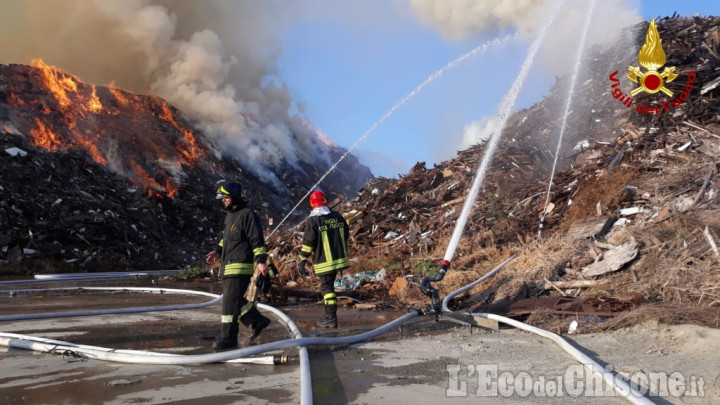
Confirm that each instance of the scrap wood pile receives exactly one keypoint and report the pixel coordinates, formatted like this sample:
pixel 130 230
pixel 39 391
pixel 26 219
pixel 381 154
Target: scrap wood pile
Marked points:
pixel 630 219
pixel 632 214
pixel 403 220
pixel 96 178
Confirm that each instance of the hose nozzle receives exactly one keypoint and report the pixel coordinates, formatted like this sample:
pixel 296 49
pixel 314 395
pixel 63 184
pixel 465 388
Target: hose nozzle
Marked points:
pixel 431 291
pixel 425 287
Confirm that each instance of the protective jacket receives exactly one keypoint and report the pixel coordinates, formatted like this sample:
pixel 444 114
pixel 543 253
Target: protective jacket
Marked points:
pixel 328 235
pixel 243 243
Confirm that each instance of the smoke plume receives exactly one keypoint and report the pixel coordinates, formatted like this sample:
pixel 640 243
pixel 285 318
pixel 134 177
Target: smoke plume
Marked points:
pixel 212 59
pixel 461 19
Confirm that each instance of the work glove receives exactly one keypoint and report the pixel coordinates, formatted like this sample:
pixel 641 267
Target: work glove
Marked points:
pixel 262 283
pixel 272 270
pixel 301 268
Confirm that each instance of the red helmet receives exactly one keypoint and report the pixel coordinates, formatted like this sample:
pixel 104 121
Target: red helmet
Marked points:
pixel 318 199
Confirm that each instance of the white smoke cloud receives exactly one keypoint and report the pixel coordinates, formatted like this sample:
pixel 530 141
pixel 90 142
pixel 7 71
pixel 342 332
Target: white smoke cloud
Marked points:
pixel 478 131
pixel 254 124
pixel 212 59
pixel 461 19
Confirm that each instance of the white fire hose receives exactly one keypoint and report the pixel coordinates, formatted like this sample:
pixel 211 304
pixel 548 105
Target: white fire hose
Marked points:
pixel 619 385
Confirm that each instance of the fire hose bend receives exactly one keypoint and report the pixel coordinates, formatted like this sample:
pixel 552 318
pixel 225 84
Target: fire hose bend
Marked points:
pixel 618 385
pixel 130 356
pixel 144 357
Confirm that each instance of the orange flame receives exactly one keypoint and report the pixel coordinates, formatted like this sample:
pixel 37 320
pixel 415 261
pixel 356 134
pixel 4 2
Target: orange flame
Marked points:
pixel 154 188
pixel 324 139
pixel 90 146
pixel 94 104
pixel 62 85
pixel 121 99
pixel 57 82
pixel 42 136
pixel 193 151
pixel 76 100
pixel 171 188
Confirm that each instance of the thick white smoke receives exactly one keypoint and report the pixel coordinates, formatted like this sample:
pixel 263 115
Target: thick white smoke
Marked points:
pixel 478 131
pixel 213 59
pixel 460 19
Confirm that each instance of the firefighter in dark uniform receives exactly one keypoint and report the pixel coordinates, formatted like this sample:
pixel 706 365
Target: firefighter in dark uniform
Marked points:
pixel 241 249
pixel 327 233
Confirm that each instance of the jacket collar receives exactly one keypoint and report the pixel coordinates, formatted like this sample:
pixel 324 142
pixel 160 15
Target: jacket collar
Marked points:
pixel 319 211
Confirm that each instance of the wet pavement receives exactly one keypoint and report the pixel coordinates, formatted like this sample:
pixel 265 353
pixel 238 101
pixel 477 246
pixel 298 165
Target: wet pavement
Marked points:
pixel 40 378
pixel 405 366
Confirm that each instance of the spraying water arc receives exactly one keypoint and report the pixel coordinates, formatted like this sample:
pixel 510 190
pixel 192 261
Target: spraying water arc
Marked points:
pixel 507 105
pixel 496 43
pixel 571 91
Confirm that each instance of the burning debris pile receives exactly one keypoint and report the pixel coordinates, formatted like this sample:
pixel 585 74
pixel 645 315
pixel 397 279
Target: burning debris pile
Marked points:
pixel 98 178
pixel 631 215
pixel 633 211
pixel 58 112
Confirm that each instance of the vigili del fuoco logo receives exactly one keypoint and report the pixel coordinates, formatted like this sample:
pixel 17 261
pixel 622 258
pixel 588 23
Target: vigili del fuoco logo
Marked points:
pixel 652 80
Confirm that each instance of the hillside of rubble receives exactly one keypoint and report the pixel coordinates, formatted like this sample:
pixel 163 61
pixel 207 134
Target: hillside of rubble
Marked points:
pixel 631 220
pixel 96 178
pixel 627 229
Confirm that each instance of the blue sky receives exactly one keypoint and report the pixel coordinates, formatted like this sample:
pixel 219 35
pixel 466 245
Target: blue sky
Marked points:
pixel 347 64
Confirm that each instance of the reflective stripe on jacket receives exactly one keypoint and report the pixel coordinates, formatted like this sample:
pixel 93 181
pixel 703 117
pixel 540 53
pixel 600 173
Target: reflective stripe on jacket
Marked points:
pixel 327 235
pixel 243 243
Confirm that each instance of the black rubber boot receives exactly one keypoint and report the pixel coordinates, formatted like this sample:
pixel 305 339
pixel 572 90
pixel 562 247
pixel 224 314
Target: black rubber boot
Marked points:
pixel 330 318
pixel 225 344
pixel 256 321
pixel 258 327
pixel 228 337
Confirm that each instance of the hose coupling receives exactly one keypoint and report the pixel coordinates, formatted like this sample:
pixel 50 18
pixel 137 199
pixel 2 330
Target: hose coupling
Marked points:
pixel 282 359
pixel 444 266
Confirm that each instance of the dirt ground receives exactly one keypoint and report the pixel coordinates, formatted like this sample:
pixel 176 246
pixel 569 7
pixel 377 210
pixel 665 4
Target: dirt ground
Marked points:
pixel 425 360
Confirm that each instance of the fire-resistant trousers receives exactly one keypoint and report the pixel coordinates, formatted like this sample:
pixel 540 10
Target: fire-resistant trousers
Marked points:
pixel 327 287
pixel 235 307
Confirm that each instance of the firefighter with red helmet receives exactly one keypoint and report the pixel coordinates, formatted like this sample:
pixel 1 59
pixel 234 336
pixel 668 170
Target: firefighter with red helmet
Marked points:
pixel 327 233
pixel 241 249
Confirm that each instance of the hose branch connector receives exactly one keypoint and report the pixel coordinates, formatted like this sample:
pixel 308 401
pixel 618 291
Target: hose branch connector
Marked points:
pixel 431 291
